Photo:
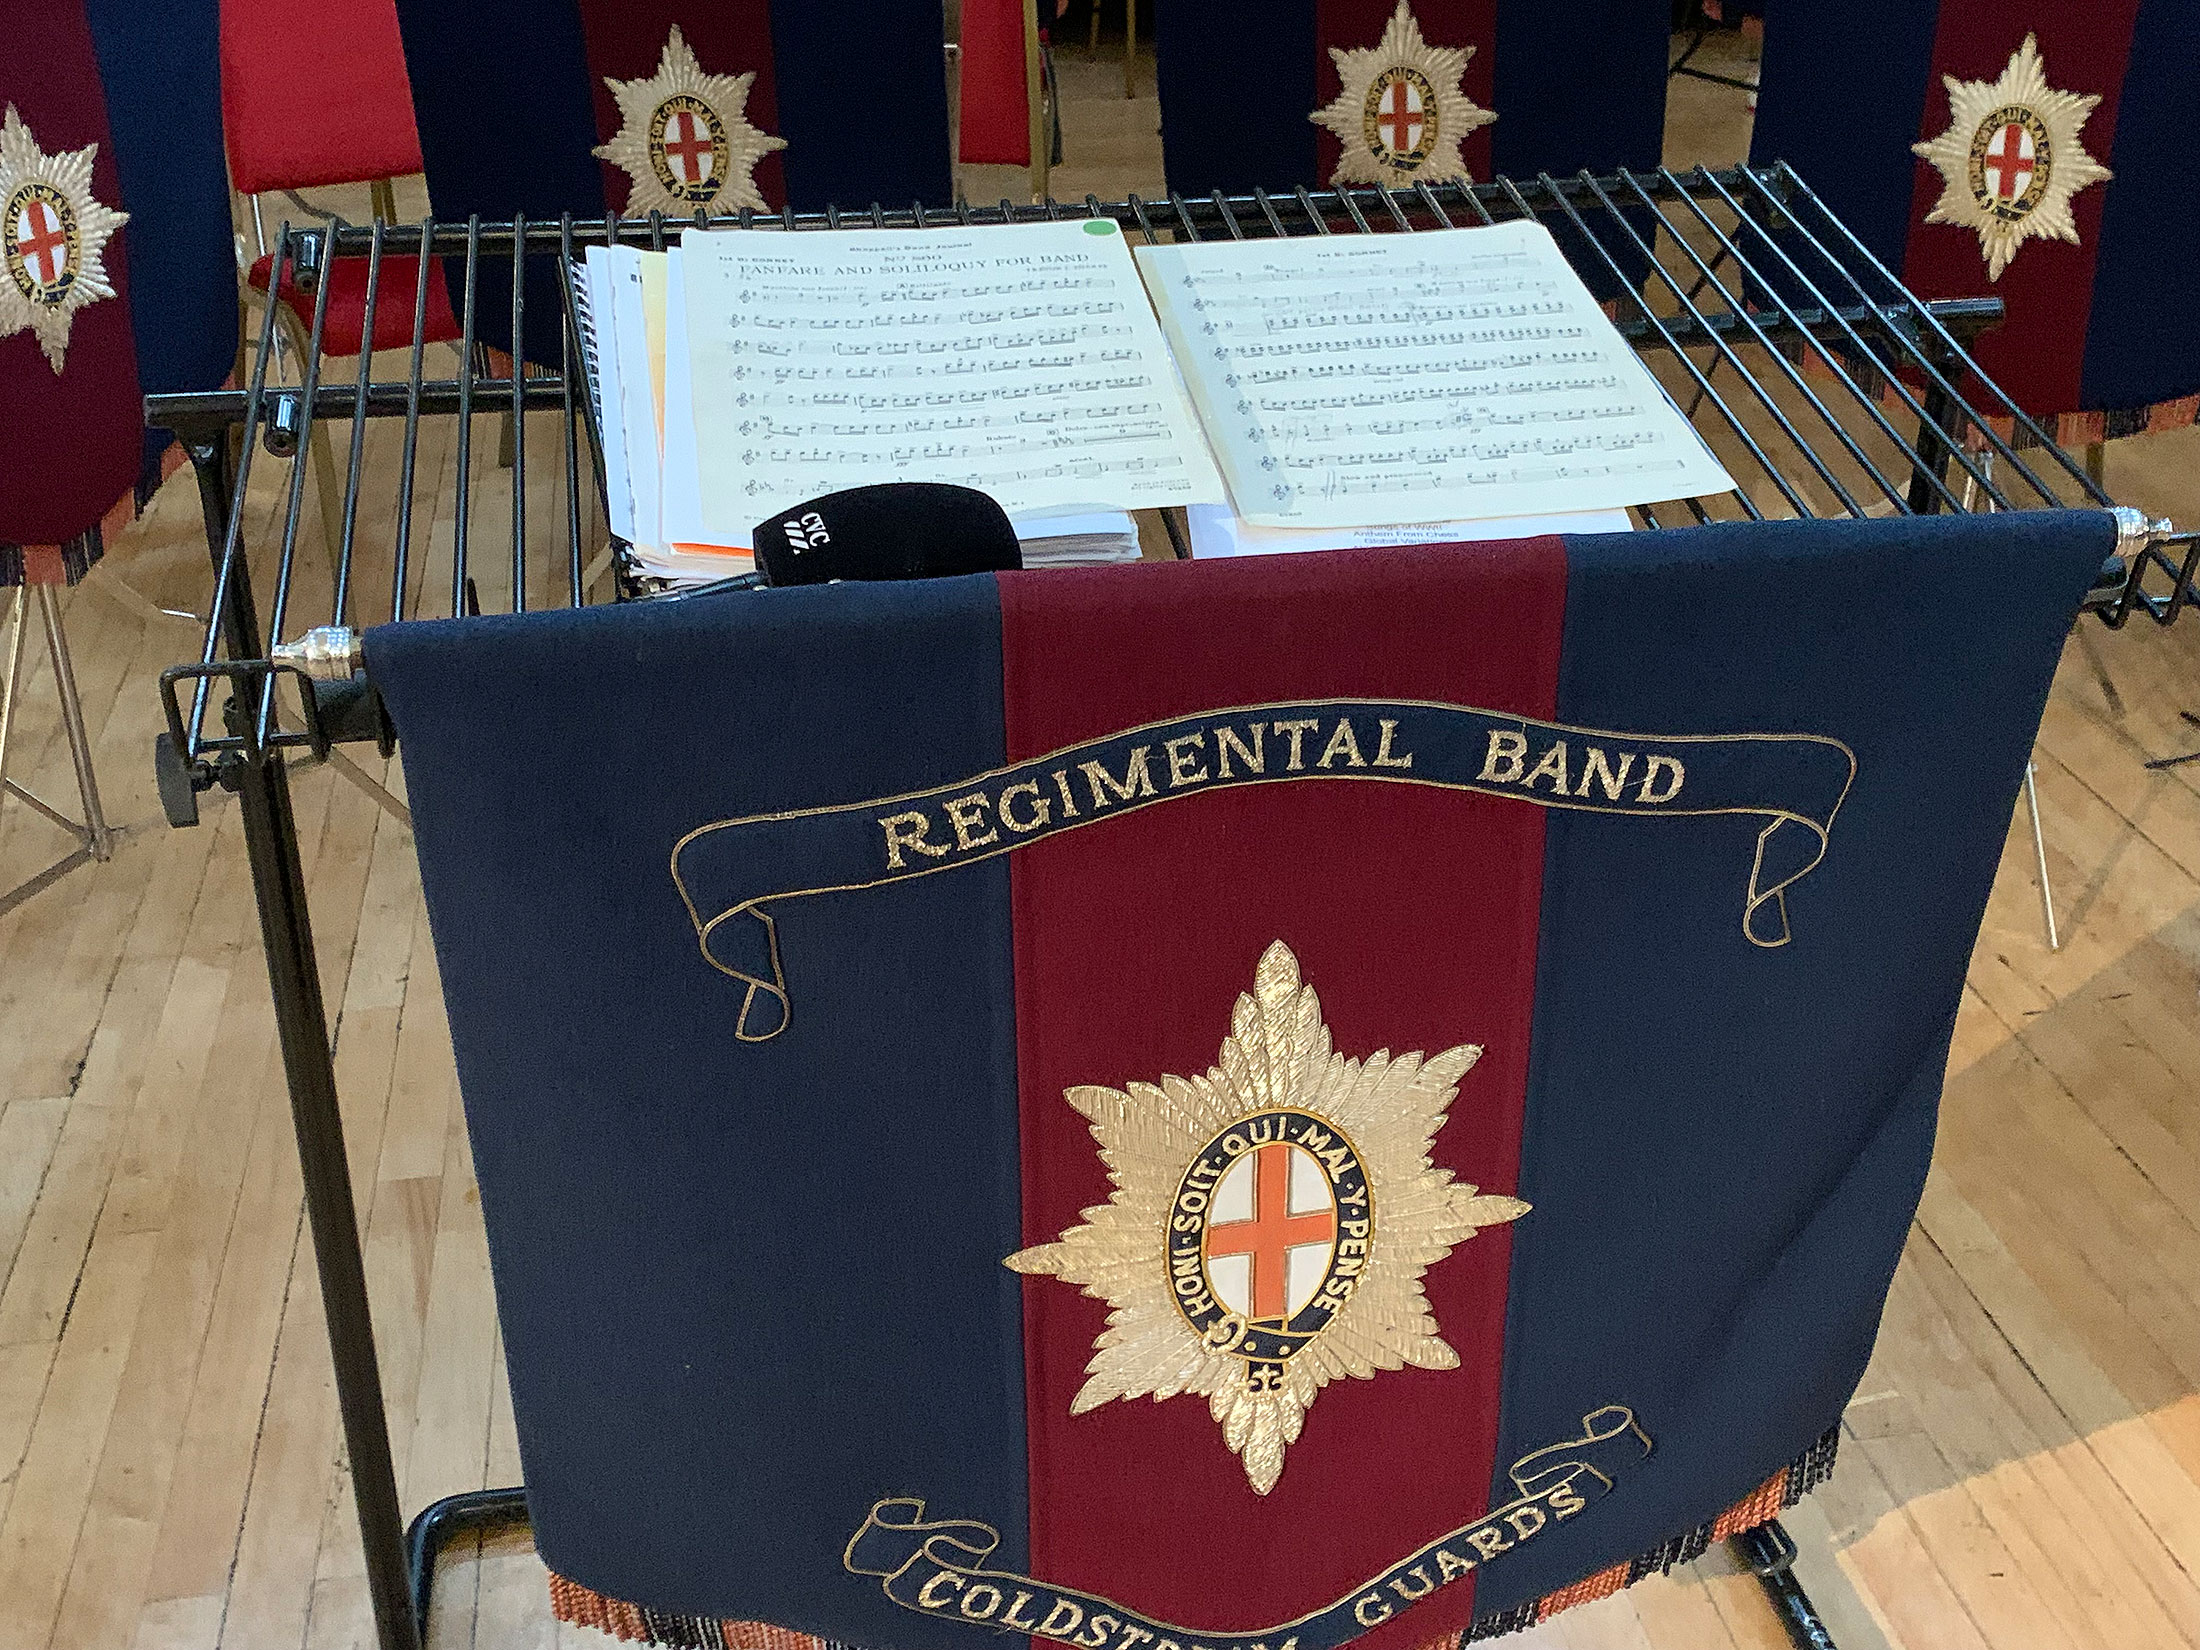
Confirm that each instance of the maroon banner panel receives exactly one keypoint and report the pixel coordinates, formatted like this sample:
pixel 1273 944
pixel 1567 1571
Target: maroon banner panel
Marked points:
pixel 1410 910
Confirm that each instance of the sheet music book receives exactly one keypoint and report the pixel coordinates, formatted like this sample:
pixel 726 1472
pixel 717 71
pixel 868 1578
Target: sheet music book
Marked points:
pixel 631 310
pixel 1023 360
pixel 1361 380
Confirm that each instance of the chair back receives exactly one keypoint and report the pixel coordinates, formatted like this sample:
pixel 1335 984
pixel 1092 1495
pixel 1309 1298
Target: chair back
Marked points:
pixel 315 95
pixel 161 68
pixel 993 127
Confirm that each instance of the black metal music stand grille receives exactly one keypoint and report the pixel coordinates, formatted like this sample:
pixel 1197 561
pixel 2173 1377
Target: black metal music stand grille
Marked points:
pixel 1826 388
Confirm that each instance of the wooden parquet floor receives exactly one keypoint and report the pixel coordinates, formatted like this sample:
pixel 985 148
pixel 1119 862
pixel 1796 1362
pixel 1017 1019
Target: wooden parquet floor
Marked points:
pixel 2021 1465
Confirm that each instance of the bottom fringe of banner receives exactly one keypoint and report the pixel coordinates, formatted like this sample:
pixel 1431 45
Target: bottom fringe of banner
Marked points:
pixel 638 1624
pixel 69 561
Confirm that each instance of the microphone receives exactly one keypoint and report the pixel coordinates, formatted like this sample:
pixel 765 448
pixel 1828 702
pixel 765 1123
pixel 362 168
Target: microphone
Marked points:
pixel 895 530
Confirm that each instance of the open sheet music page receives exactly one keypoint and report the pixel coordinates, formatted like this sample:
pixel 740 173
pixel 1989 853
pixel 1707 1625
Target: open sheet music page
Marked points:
pixel 1356 380
pixel 1022 360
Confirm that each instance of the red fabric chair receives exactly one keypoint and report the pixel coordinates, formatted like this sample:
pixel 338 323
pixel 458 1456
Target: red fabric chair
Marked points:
pixel 317 95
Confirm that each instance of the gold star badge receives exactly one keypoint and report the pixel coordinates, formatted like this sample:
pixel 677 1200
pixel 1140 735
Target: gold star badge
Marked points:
pixel 683 138
pixel 1401 114
pixel 2011 158
pixel 53 237
pixel 1270 1223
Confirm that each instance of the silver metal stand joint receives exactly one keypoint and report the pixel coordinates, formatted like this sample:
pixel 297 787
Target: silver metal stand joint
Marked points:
pixel 2136 530
pixel 328 653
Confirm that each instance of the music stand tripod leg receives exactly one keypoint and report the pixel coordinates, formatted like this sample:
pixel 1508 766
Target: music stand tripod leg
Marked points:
pixel 97 838
pixel 93 839
pixel 11 681
pixel 2039 853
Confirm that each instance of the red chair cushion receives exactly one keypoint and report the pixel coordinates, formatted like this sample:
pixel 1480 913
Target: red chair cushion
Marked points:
pixel 316 94
pixel 347 303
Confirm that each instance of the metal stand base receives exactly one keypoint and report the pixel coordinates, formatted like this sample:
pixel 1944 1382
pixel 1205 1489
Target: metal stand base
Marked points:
pixel 1769 1551
pixel 440 1523
pixel 95 842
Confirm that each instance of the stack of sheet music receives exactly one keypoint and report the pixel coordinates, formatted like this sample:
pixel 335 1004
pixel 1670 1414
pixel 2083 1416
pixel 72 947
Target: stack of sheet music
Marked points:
pixel 641 376
pixel 1295 394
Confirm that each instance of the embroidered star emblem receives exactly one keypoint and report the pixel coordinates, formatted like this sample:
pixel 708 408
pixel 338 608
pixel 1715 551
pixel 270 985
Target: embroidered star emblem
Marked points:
pixel 1270 1223
pixel 53 238
pixel 2011 158
pixel 1400 113
pixel 683 137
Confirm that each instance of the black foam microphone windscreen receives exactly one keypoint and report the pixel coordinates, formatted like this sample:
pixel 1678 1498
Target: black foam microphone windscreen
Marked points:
pixel 895 530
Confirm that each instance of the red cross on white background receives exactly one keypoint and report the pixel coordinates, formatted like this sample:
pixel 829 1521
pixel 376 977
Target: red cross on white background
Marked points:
pixel 1400 121
pixel 689 147
pixel 1271 1232
pixel 40 243
pixel 2009 161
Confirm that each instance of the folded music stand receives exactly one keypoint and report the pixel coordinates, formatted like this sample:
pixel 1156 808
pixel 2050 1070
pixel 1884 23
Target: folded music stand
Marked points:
pixel 1827 389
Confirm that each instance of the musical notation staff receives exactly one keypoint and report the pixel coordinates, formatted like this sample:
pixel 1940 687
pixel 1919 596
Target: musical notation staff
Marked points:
pixel 1024 361
pixel 1355 381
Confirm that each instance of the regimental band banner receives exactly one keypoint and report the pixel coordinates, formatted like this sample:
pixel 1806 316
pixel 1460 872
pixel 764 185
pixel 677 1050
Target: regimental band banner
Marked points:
pixel 1255 1105
pixel 737 868
pixel 2032 154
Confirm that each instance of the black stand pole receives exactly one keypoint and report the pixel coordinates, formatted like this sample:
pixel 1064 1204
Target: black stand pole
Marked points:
pixel 286 930
pixel 1770 1552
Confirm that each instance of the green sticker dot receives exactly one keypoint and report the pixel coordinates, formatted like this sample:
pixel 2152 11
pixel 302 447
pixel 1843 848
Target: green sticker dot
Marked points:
pixel 1099 226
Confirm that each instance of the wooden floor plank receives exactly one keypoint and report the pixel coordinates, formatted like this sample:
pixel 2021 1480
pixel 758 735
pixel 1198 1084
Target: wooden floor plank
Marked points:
pixel 57 1242
pixel 46 1510
pixel 23 1373
pixel 201 1522
pixel 1895 1570
pixel 180 1624
pixel 29 1132
pixel 2004 1422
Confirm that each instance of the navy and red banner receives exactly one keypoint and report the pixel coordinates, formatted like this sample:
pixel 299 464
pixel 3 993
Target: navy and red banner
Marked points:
pixel 512 100
pixel 75 433
pixel 1572 84
pixel 117 277
pixel 513 104
pixel 2099 332
pixel 1362 1096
